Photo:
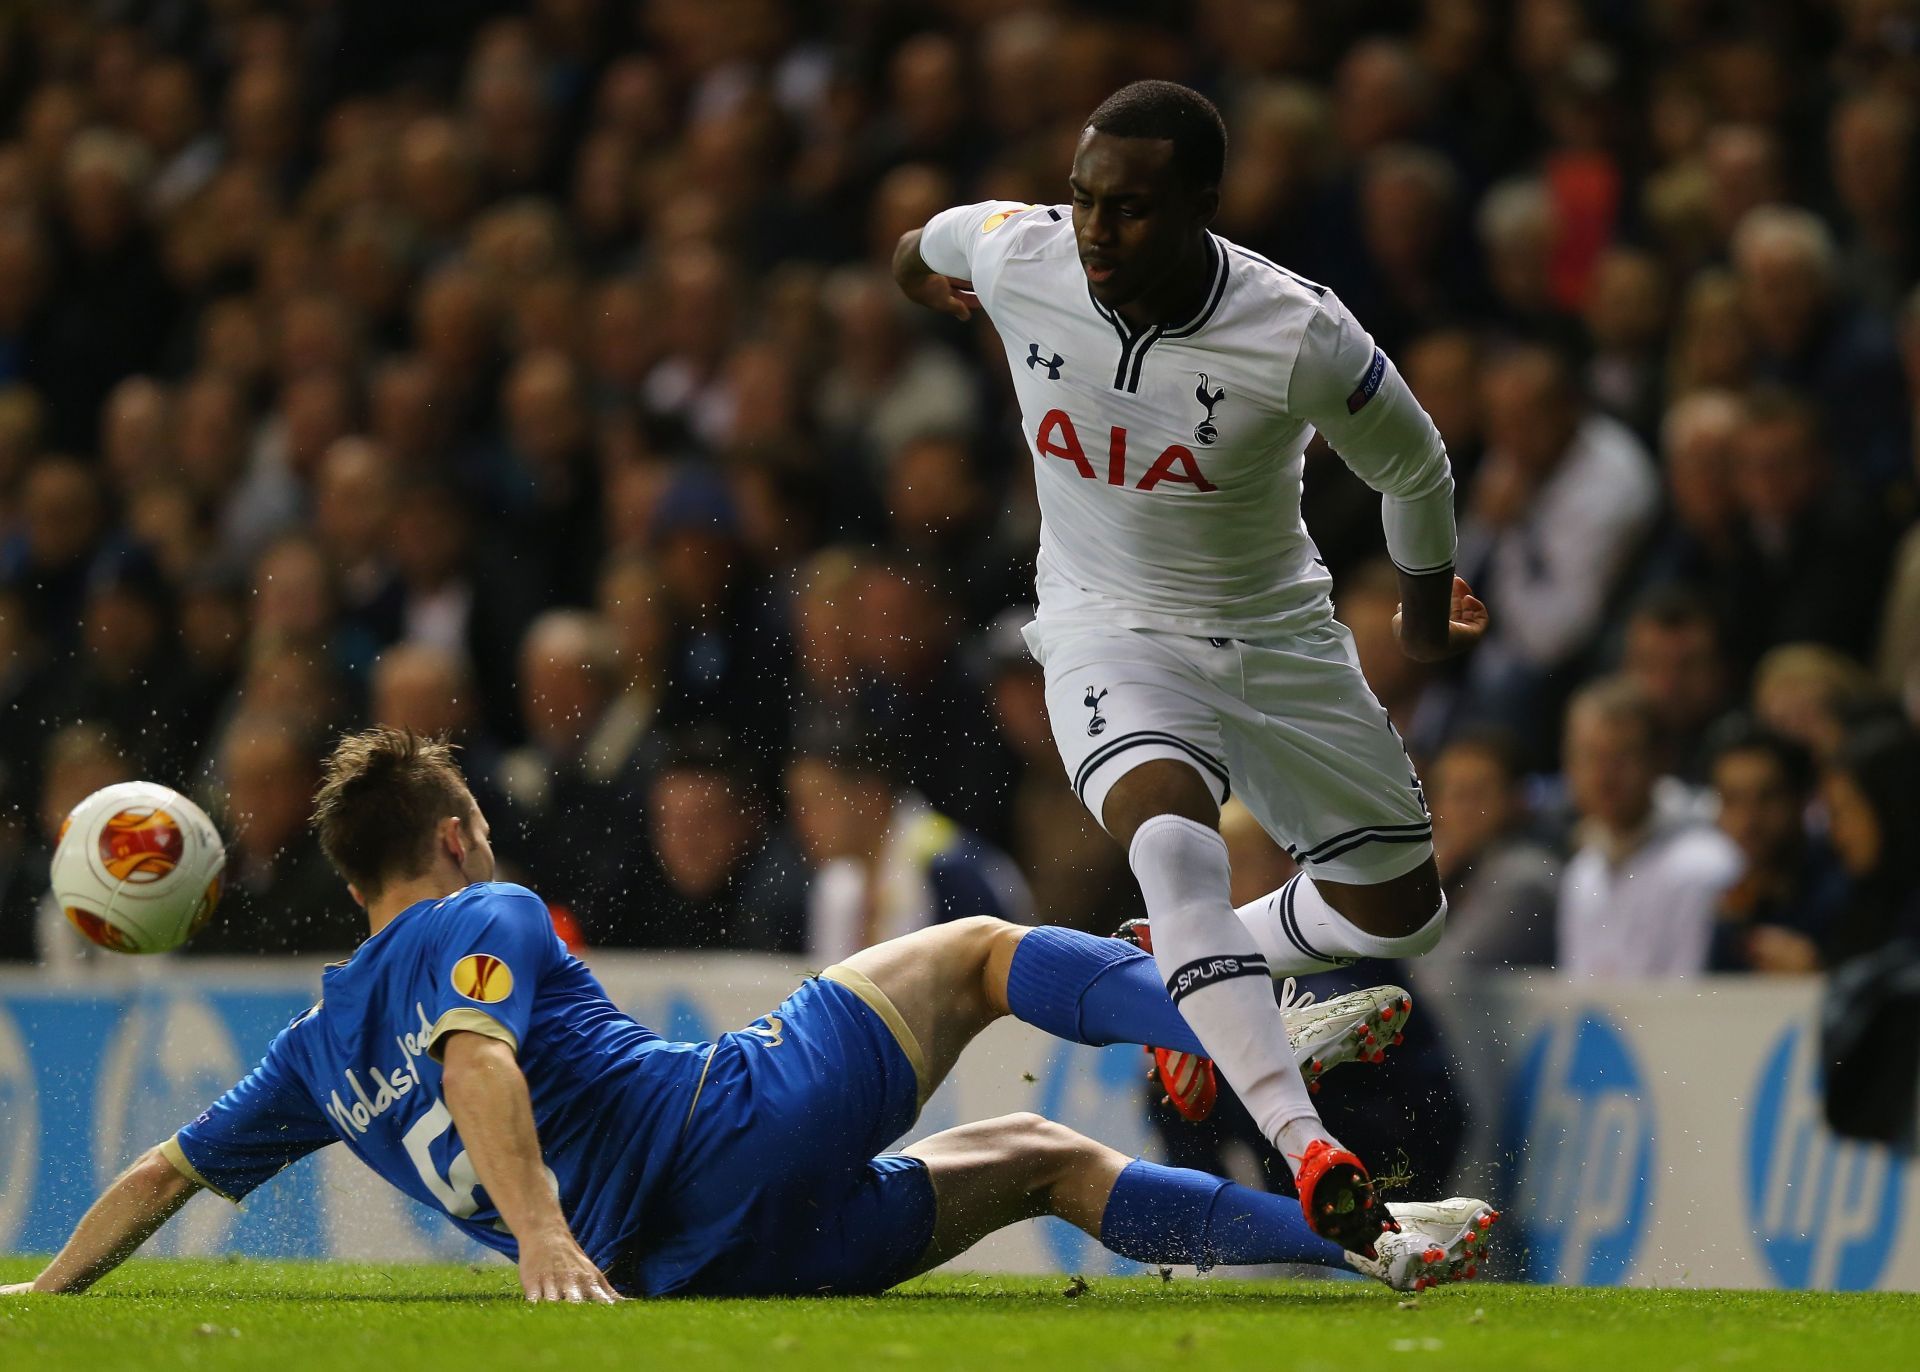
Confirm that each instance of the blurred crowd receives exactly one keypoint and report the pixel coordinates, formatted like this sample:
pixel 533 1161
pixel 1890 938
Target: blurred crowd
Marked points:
pixel 532 373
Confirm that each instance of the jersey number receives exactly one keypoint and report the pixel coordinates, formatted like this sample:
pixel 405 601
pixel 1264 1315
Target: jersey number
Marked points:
pixel 453 1192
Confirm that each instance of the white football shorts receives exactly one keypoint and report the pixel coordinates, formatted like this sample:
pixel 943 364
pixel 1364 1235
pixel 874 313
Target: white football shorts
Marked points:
pixel 1288 725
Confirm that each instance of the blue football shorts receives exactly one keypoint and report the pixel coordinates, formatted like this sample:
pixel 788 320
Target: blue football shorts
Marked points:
pixel 781 1185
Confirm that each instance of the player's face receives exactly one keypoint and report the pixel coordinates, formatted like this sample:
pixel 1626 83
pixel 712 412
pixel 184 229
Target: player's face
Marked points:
pixel 1134 217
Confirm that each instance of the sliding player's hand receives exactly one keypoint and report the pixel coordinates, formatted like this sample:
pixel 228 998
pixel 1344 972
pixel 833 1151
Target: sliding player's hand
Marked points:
pixel 557 1270
pixel 1466 626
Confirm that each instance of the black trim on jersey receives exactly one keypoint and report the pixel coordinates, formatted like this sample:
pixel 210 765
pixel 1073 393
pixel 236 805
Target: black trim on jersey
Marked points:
pixel 1104 754
pixel 1201 973
pixel 1214 293
pixel 1121 331
pixel 1294 277
pixel 1134 346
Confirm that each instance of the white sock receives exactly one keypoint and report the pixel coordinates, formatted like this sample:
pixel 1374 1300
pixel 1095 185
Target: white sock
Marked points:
pixel 1298 933
pixel 1217 977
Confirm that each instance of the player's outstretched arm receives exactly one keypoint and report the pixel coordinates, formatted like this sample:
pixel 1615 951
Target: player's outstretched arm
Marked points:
pixel 128 1213
pixel 487 1095
pixel 922 284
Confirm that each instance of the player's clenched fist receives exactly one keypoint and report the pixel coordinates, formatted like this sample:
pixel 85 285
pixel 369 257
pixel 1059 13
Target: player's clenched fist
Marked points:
pixel 557 1270
pixel 1423 634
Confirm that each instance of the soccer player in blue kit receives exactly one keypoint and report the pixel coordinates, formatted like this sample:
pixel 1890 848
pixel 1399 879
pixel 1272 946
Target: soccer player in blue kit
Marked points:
pixel 471 1061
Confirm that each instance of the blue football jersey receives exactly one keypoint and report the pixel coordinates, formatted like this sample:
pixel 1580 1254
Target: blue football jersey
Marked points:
pixel 610 1098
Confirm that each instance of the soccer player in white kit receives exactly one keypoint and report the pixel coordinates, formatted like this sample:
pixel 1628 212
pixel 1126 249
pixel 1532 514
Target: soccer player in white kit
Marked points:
pixel 1169 381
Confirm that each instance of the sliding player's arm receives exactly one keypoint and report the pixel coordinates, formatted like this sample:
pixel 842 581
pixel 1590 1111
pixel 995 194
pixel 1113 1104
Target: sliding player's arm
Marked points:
pixel 486 1093
pixel 262 1125
pixel 494 956
pixel 128 1213
pixel 940 265
pixel 1352 393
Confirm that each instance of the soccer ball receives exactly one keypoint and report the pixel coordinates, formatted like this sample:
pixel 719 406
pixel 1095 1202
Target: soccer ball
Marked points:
pixel 138 867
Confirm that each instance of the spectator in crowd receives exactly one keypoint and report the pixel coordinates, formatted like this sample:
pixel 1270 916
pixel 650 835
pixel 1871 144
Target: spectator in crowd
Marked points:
pixel 1695 541
pixel 1809 552
pixel 537 310
pixel 730 652
pixel 1870 1058
pixel 1626 319
pixel 915 685
pixel 1813 339
pixel 56 526
pixel 280 895
pixel 1639 894
pixel 1776 916
pixel 571 788
pixel 430 690
pixel 718 874
pixel 1873 816
pixel 1813 695
pixel 1502 885
pixel 1561 503
pixel 1673 653
pixel 1898 656
pixel 885 861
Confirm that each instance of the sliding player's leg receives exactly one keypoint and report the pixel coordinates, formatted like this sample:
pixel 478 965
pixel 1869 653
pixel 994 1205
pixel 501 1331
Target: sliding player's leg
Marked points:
pixel 945 984
pixel 941 986
pixel 995 1173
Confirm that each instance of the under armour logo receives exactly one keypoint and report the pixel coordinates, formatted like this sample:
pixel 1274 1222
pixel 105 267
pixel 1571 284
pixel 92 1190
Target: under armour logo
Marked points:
pixel 1053 365
pixel 1205 431
pixel 1097 725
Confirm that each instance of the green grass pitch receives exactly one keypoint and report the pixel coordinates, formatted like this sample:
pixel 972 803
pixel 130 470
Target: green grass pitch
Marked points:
pixel 289 1317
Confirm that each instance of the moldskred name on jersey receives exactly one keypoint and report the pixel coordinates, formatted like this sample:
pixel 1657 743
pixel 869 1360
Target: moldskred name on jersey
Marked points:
pixel 1057 437
pixel 388 1087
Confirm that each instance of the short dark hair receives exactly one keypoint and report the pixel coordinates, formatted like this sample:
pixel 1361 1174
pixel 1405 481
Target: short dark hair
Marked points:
pixel 1180 114
pixel 382 794
pixel 1742 734
pixel 1677 607
pixel 1499 746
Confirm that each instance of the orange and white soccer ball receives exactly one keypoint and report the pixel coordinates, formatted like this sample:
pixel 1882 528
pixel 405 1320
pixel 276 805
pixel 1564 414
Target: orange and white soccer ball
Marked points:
pixel 138 867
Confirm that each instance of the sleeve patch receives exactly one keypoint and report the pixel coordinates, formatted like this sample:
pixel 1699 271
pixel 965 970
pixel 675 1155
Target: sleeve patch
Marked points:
pixel 999 217
pixel 482 977
pixel 1369 384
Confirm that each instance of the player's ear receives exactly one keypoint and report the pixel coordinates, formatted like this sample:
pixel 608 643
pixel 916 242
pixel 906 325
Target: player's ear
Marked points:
pixel 1206 204
pixel 453 837
pixel 358 898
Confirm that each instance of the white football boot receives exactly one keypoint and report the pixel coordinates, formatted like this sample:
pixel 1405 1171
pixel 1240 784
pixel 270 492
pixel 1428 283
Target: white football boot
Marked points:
pixel 1356 1027
pixel 1439 1242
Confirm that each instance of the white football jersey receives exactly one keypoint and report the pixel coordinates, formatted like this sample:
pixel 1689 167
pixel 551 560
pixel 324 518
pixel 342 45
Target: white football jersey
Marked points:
pixel 1168 460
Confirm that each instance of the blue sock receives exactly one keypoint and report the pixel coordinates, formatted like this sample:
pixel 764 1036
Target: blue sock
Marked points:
pixel 1171 1214
pixel 1093 990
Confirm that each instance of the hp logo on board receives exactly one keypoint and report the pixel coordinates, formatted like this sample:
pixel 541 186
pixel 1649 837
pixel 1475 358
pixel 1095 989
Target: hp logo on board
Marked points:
pixel 1580 1131
pixel 1823 1209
